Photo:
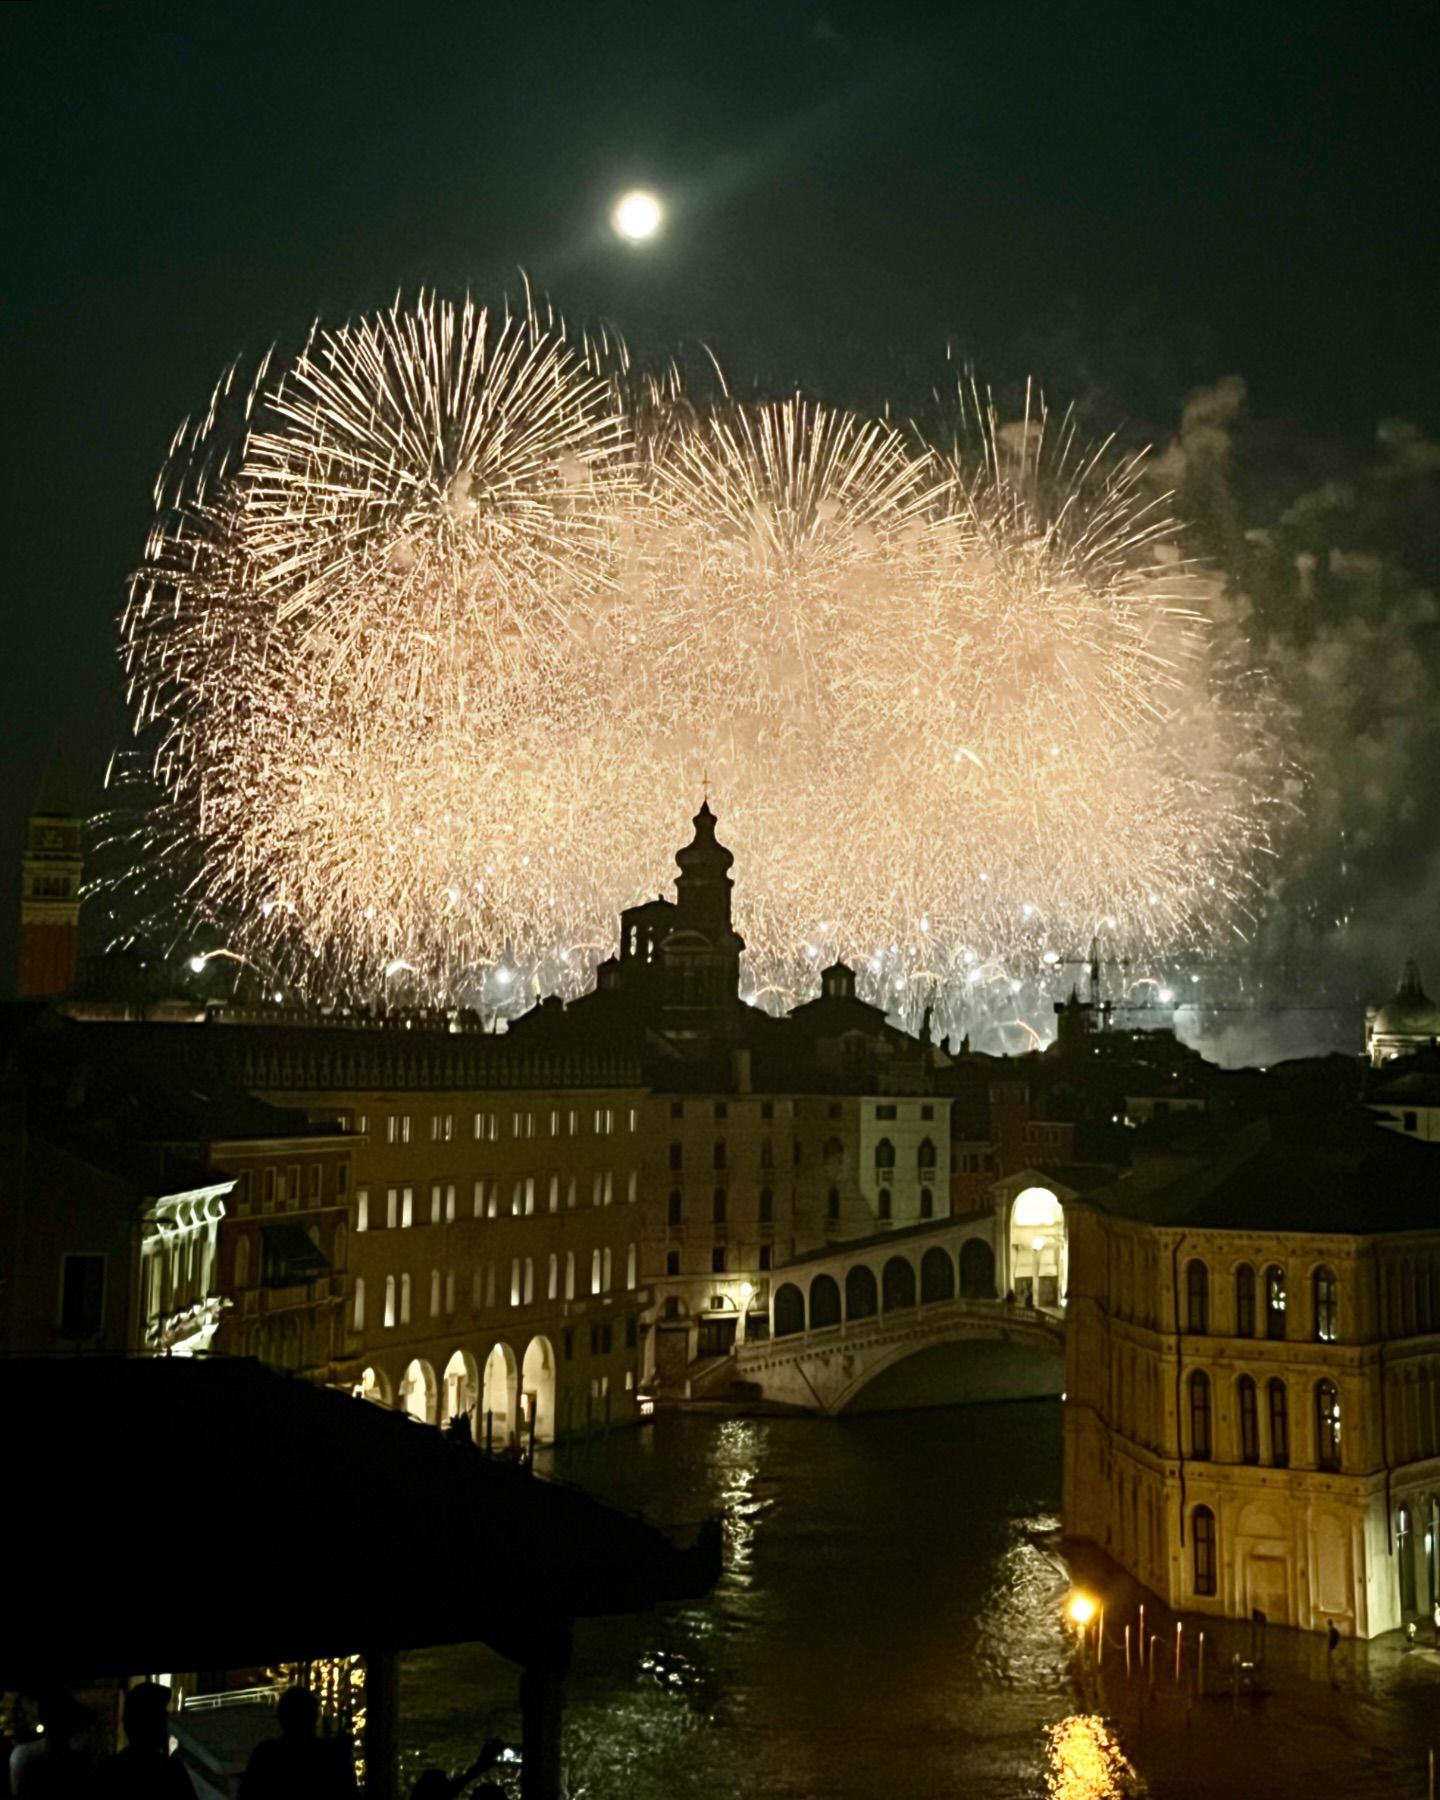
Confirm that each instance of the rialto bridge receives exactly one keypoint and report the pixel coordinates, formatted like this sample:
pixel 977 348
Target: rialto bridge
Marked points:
pixel 976 1302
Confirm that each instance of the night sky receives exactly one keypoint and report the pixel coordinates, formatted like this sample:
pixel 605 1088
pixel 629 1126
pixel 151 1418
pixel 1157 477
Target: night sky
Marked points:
pixel 1131 201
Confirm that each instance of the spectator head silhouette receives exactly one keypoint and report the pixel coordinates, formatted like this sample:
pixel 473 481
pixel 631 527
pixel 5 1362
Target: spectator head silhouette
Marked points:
pixel 298 1713
pixel 147 1725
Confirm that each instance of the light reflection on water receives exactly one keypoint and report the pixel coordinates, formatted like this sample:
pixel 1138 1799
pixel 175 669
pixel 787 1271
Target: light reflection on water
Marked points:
pixel 1086 1763
pixel 887 1622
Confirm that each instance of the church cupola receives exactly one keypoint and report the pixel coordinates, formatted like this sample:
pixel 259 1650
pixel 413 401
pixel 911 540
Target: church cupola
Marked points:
pixel 837 982
pixel 703 886
pixel 700 953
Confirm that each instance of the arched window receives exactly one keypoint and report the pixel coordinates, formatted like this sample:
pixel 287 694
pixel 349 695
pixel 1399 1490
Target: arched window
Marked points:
pixel 718 1162
pixel 434 1293
pixel 359 1303
pixel 767 1206
pixel 1279 1408
pixel 1274 1301
pixel 927 1203
pixel 677 1156
pixel 569 1274
pixel 1199 1389
pixel 1327 1425
pixel 1202 1539
pixel 516 1280
pixel 595 1272
pixel 632 1269
pixel 834 1150
pixel 1327 1309
pixel 1249 1408
pixel 1197 1297
pixel 832 1204
pixel 674 1207
pixel 242 1262
pixel 886 1205
pixel 925 1160
pixel 717 1206
pixel 767 1154
pixel 861 1299
pixel 529 1289
pixel 552 1279
pixel 884 1159
pixel 1244 1301
pixel 607 1271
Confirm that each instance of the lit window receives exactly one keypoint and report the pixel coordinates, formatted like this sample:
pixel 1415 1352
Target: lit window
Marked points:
pixel 1327 1425
pixel 434 1293
pixel 529 1196
pixel 632 1188
pixel 392 1208
pixel 569 1274
pixel 529 1280
pixel 606 1276
pixel 515 1280
pixel 1327 1310
pixel 362 1209
pixel 392 1128
pixel 389 1301
pixel 1199 1386
pixel 554 1124
pixel 407 1206
pixel 631 1267
pixel 436 1201
pixel 1202 1536
pixel 554 1194
pixel 634 1118
pixel 552 1285
pixel 404 1128
pixel 404 1299
pixel 595 1272
pixel 449 1292
pixel 359 1317
pixel 1274 1301
pixel 450 1203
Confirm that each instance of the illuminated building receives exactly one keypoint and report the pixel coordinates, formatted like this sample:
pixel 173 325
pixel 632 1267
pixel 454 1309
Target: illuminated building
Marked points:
pixel 1408 1021
pixel 1253 1375
pixel 50 894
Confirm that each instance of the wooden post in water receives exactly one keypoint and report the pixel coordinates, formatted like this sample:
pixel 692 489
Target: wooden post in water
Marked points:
pixel 382 1725
pixel 1179 1630
pixel 1100 1639
pixel 1200 1668
pixel 1127 1652
pixel 1153 1641
pixel 1142 1634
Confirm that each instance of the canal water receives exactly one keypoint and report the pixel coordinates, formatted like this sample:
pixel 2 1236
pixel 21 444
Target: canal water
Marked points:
pixel 888 1622
pixel 890 1626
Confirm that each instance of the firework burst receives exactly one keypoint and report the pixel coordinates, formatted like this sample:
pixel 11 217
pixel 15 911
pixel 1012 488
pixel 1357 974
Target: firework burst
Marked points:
pixel 439 627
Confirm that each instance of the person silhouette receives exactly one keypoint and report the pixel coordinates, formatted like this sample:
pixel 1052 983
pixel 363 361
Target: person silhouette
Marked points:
pixel 51 1768
pixel 298 1765
pixel 435 1784
pixel 145 1769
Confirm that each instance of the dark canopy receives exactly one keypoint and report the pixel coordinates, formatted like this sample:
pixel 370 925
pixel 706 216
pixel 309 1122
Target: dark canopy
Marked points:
pixel 170 1513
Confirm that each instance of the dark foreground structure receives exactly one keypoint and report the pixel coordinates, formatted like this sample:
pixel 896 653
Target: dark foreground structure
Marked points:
pixel 120 1469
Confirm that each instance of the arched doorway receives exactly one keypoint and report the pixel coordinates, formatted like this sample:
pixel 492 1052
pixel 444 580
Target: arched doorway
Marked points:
pixel 937 1276
pixel 461 1384
pixel 977 1270
pixel 789 1310
pixel 897 1283
pixel 497 1399
pixel 824 1302
pixel 1037 1248
pixel 537 1393
pixel 417 1392
pixel 373 1386
pixel 862 1299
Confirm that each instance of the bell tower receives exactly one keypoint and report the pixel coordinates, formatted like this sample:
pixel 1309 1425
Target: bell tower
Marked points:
pixel 700 954
pixel 50 893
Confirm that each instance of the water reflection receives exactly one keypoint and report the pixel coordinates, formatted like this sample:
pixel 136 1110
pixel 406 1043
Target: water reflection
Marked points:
pixel 1086 1763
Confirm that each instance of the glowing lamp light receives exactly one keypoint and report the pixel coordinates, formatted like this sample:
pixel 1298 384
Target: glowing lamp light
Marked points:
pixel 197 965
pixel 637 216
pixel 1081 1609
pixel 1051 957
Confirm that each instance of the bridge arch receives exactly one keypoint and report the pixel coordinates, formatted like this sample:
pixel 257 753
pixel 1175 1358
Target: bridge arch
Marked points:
pixel 824 1302
pixel 862 1294
pixel 937 1276
pixel 897 1283
pixel 977 1270
pixel 789 1310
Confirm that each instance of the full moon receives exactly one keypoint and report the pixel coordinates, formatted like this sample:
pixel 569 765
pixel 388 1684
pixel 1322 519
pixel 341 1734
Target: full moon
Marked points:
pixel 636 215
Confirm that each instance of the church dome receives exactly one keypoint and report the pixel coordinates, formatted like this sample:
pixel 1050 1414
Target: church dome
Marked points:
pixel 1410 1012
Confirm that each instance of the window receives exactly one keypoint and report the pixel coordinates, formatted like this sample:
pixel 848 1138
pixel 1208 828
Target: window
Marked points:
pixel 767 1206
pixel 529 1196
pixel 632 1187
pixel 677 1156
pixel 1244 1301
pixel 767 1154
pixel 492 1202
pixel 832 1204
pixel 677 1109
pixel 552 1278
pixel 312 1179
pixel 609 1193
pixel 886 1208
pixel 362 1209
pixel 569 1346
pixel 1199 1387
pixel 764 1256
pixel 517 1199
pixel 267 1190
pixel 242 1263
pixel 722 1109
pixel 392 1208
pixel 434 1293
pixel 604 1121
pixel 554 1124
pixel 489 1284
pixel 597 1190
pixel 1249 1419
pixel 884 1159
pixel 1274 1301
pixel 529 1281
pixel 389 1301
pixel 884 1112
pixel 634 1118
pixel 1279 1424
pixel 404 1128
pixel 450 1203
pixel 407 1206
pixel 718 1159
pixel 449 1292
pixel 927 1203
pixel 404 1299
pixel 515 1280
pixel 477 1290
pixel 595 1272
pixel 717 1260
pixel 358 1319
pixel 570 1194
pixel 674 1212
pixel 82 1296
pixel 632 1268
pixel 569 1274
pixel 927 1112
pixel 717 1206
pixel 1202 1538
pixel 925 1161
pixel 436 1202
pixel 478 1201
pixel 672 1262
pixel 1197 1297
pixel 767 1109
pixel 1327 1425
pixel 632 1334
pixel 1327 1311
pixel 607 1273
pixel 553 1194
pixel 572 1122
pixel 442 1128
pixel 392 1128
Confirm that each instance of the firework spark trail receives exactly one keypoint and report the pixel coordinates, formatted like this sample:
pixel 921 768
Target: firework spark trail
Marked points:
pixel 439 625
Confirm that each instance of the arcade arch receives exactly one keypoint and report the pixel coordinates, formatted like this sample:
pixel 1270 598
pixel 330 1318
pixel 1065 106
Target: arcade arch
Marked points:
pixel 1038 1260
pixel 417 1392
pixel 537 1392
pixel 461 1386
pixel 497 1398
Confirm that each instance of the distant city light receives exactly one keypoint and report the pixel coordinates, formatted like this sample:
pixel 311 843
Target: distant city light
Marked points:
pixel 637 215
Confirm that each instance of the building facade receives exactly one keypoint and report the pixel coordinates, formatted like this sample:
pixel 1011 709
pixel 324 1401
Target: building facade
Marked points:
pixel 50 897
pixel 1252 1421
